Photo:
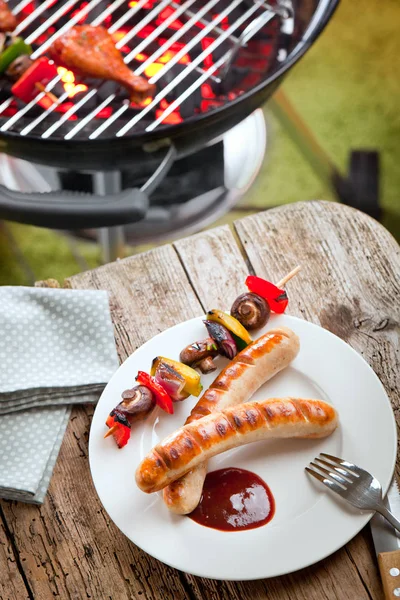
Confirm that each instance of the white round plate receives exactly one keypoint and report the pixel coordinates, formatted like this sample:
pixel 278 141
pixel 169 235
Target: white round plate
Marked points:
pixel 310 522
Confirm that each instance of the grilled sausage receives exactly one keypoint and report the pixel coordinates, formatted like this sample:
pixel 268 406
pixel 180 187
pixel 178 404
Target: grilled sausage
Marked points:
pixel 198 441
pixel 250 369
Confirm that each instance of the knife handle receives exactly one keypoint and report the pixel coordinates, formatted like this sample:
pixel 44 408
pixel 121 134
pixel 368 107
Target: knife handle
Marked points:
pixel 389 567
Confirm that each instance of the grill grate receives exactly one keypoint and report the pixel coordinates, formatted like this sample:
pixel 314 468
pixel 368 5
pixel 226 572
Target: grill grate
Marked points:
pixel 180 46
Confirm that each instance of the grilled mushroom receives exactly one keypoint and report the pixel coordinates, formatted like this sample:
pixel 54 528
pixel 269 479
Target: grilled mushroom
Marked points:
pixel 200 355
pixel 136 403
pixel 18 67
pixel 251 310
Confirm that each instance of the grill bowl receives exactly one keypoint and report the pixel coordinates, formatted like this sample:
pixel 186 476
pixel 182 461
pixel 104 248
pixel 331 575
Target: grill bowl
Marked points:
pixel 109 151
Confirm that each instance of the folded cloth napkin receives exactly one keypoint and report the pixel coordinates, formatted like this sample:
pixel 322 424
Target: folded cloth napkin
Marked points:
pixel 57 348
pixel 29 445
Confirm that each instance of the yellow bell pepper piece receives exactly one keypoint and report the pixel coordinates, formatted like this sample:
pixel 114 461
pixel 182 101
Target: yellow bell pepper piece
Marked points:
pixel 230 323
pixel 192 378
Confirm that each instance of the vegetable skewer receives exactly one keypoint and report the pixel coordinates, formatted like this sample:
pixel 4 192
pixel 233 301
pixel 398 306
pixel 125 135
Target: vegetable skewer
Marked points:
pixel 171 380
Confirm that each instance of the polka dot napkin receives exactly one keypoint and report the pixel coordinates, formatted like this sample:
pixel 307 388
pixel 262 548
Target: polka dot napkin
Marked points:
pixel 57 349
pixel 29 445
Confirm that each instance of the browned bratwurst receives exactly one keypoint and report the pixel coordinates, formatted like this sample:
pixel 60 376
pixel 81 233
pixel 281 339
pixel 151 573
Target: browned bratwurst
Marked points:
pixel 236 426
pixel 250 369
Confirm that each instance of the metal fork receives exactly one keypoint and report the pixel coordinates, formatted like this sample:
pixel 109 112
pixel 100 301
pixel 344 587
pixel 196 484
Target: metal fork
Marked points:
pixel 352 483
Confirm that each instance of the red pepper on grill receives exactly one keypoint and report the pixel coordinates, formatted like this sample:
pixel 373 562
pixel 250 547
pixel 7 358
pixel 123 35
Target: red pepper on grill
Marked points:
pixel 121 427
pixel 34 80
pixel 162 398
pixel 276 298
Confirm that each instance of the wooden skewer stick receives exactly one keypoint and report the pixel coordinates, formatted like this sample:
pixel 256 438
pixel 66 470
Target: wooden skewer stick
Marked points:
pixel 49 95
pixel 111 431
pixel 284 281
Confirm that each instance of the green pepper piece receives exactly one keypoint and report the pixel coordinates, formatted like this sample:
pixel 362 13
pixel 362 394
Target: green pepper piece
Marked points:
pixel 17 48
pixel 240 344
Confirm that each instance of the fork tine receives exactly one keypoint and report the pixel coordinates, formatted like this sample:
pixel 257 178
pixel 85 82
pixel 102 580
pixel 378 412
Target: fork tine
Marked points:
pixel 345 464
pixel 330 474
pixel 334 459
pixel 335 487
pixel 350 476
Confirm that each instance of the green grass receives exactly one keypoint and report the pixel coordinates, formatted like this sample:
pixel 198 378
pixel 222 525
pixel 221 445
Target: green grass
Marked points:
pixel 347 89
pixel 47 253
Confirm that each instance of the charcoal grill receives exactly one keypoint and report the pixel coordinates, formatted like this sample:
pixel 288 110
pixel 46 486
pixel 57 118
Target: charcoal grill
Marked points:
pixel 213 63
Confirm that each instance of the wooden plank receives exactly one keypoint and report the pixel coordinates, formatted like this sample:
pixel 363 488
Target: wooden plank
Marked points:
pixel 214 266
pixel 217 286
pixel 148 293
pixel 361 552
pixel 12 586
pixel 69 548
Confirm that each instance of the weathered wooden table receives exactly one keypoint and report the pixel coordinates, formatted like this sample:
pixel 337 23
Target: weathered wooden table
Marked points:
pixel 349 284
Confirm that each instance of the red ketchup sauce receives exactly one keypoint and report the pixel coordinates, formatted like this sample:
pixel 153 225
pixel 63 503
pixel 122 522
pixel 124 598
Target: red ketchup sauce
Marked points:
pixel 233 500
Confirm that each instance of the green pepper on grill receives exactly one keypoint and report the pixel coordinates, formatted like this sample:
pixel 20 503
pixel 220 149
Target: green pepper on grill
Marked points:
pixel 16 48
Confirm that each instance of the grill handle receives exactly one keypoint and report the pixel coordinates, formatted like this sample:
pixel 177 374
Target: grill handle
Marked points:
pixel 63 209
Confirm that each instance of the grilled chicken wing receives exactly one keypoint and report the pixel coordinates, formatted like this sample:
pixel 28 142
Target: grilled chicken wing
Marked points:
pixel 7 20
pixel 90 51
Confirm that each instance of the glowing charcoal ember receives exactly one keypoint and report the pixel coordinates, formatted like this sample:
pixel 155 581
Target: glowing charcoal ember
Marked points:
pixel 83 17
pixel 68 80
pixel 105 113
pixel 153 69
pixel 172 119
pixel 117 37
pixel 167 12
pixel 208 60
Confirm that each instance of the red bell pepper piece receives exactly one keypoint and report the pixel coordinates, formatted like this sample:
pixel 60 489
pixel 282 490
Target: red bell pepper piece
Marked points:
pixel 41 72
pixel 122 430
pixel 276 298
pixel 163 400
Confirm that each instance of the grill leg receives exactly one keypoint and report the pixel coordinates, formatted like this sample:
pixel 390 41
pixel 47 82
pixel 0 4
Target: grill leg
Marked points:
pixel 360 188
pixel 289 118
pixel 111 239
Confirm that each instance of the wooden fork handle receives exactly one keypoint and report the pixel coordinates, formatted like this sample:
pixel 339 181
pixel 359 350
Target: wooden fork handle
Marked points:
pixel 389 567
